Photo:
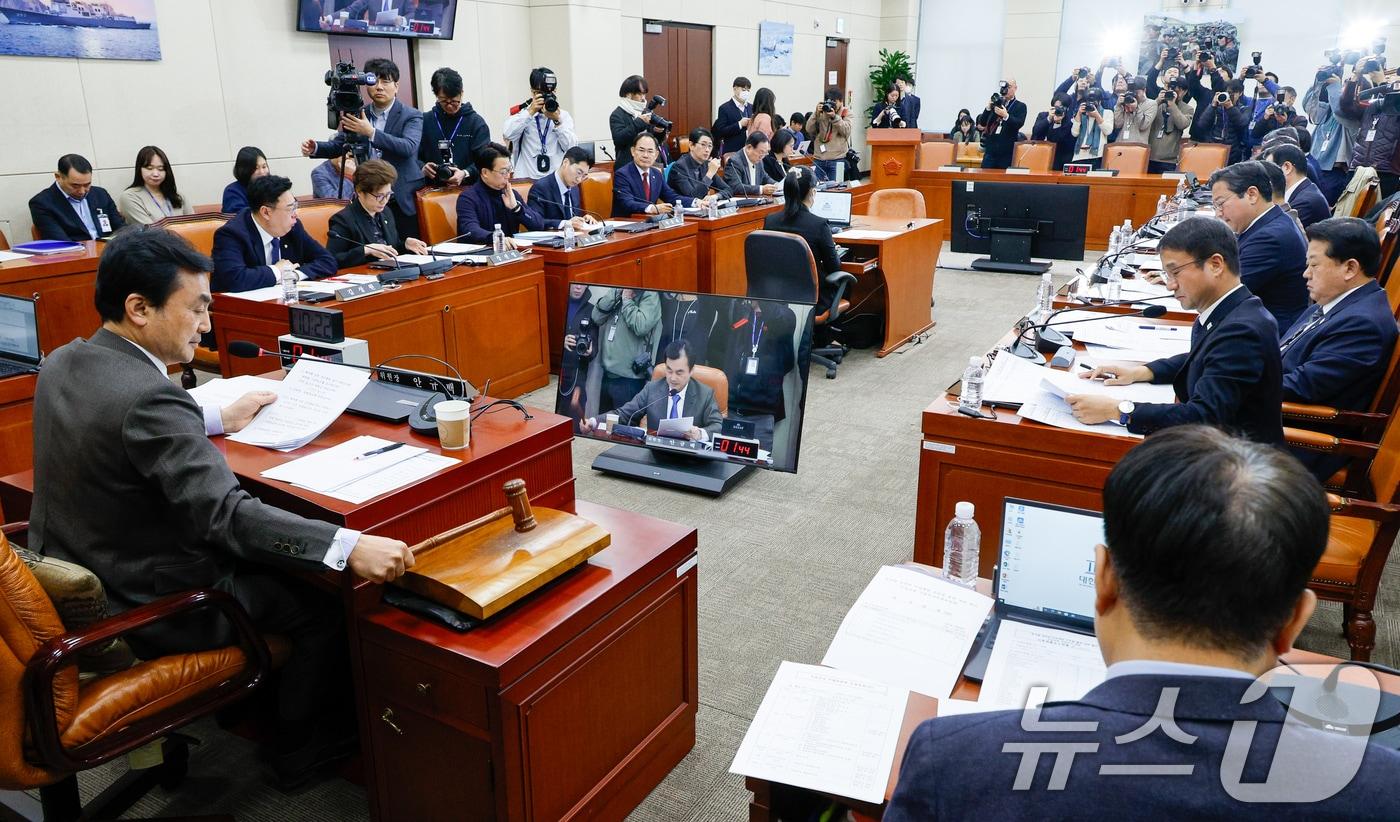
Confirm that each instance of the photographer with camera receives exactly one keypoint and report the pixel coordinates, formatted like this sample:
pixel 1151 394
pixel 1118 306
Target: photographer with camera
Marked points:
pixel 1170 63
pixel 580 344
pixel 1076 86
pixel 636 113
pixel 1226 120
pixel 886 111
pixel 629 326
pixel 1205 79
pixel 1278 114
pixel 539 130
pixel 384 130
pixel 1378 140
pixel 1000 123
pixel 1053 125
pixel 829 128
pixel 452 134
pixel 1173 117
pixel 1091 126
pixel 1334 134
pixel 1134 114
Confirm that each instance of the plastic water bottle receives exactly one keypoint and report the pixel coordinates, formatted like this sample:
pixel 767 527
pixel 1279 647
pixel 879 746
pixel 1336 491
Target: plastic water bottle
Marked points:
pixel 960 547
pixel 569 240
pixel 1162 204
pixel 498 240
pixel 289 286
pixel 971 394
pixel 1045 295
pixel 1113 288
pixel 713 210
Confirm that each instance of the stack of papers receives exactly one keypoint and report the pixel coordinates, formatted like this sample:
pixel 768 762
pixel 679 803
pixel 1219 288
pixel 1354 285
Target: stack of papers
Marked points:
pixel 313 395
pixel 1063 384
pixel 219 392
pixel 1031 665
pixel 262 295
pixel 345 472
pixel 1050 409
pixel 1011 380
pixel 6 256
pixel 1132 333
pixel 460 248
pixel 866 234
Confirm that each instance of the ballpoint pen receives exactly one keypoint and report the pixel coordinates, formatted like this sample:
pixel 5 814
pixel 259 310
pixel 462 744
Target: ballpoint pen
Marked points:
pixel 383 450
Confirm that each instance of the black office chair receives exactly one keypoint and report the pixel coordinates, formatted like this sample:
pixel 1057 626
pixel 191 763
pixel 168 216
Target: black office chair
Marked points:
pixel 780 266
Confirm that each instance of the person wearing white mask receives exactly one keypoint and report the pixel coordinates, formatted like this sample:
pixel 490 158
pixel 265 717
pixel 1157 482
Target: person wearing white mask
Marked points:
pixel 631 117
pixel 731 127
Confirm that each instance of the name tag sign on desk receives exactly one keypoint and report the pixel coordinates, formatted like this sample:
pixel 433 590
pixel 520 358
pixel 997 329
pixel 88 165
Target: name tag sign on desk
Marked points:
pixel 504 257
pixel 671 222
pixel 953 167
pixel 358 290
pixel 1018 170
pixel 1103 172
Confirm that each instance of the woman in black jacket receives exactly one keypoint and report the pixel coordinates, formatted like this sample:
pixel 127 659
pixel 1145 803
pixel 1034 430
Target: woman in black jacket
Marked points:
pixel 799 190
pixel 631 118
pixel 360 233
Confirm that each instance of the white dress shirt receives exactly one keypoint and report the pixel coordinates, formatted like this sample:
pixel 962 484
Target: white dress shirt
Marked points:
pixel 267 254
pixel 522 129
pixel 1205 313
pixel 1162 667
pixel 680 411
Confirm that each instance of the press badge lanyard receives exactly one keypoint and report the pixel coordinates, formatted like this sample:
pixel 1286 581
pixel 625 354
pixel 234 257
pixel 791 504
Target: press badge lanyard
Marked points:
pixel 441 130
pixel 755 337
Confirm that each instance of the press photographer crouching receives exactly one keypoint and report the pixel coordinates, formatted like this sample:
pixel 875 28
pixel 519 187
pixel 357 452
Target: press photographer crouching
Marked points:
pixel 1171 120
pixel 1054 126
pixel 1000 124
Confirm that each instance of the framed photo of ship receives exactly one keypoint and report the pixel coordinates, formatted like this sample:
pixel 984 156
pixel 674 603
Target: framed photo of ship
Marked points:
pixel 92 29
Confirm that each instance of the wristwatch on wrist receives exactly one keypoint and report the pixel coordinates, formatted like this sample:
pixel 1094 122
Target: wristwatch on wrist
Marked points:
pixel 1125 412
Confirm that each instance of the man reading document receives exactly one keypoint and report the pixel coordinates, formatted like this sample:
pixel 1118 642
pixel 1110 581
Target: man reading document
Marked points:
pixel 674 396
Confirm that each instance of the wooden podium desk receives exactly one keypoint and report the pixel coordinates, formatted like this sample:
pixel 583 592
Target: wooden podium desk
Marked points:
pixel 663 259
pixel 902 276
pixel 64 285
pixel 1111 199
pixel 894 152
pixel 16 427
pixel 721 248
pixel 486 321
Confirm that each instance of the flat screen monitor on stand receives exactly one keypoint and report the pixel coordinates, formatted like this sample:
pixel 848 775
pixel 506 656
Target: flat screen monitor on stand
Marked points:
pixel 1014 222
pixel 729 397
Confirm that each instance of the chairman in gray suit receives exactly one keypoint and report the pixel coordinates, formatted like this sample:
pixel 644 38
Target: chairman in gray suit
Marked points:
pixel 393 132
pixel 743 171
pixel 674 396
pixel 127 483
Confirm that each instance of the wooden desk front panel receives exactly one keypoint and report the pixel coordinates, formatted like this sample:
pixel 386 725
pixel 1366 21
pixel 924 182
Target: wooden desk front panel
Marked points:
pixel 64 309
pixel 903 279
pixel 721 250
pixel 498 333
pixel 16 428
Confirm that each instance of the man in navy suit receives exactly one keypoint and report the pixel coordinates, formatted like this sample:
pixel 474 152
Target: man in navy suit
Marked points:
pixel 1200 585
pixel 393 132
pixel 640 188
pixel 491 201
pixel 1273 252
pixel 1337 352
pixel 264 240
pixel 73 208
pixel 555 199
pixel 1231 376
pixel 732 124
pixel 1301 193
pixel 909 103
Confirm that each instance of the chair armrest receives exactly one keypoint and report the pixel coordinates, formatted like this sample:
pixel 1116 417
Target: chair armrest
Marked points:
pixel 841 280
pixel 1362 509
pixel 1332 416
pixel 1328 444
pixel 57 654
pixel 15 529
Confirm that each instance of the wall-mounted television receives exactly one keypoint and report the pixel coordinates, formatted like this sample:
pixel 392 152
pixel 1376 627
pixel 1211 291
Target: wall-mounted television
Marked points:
pixel 424 19
pixel 691 388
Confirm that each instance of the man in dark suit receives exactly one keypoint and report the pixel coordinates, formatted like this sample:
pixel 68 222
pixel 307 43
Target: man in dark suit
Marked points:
pixel 555 199
pixel 265 239
pixel 73 208
pixel 1337 352
pixel 1301 193
pixel 909 103
pixel 127 484
pixel 393 132
pixel 640 188
pixel 734 115
pixel 1200 585
pixel 1272 251
pixel 744 174
pixel 757 341
pixel 697 172
pixel 491 201
pixel 1231 376
pixel 674 396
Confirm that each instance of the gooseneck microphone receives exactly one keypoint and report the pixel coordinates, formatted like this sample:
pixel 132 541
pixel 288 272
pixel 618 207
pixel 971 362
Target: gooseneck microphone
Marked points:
pixel 1027 352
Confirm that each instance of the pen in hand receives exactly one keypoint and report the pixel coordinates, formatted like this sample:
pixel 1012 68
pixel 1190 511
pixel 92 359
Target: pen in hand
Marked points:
pixel 383 450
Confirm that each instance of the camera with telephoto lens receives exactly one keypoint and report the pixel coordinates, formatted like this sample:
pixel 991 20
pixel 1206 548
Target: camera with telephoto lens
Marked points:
pixel 997 100
pixel 1328 71
pixel 446 166
pixel 1221 98
pixel 1287 111
pixel 657 121
pixel 1173 53
pixel 1204 55
pixel 826 107
pixel 1370 64
pixel 585 339
pixel 345 82
pixel 548 84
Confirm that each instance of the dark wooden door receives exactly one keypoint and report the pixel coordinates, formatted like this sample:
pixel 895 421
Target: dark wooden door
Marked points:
pixel 835 65
pixel 678 62
pixel 352 49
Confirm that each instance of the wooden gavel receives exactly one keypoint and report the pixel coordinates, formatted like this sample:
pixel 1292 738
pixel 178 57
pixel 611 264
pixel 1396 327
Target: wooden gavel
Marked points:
pixel 517 497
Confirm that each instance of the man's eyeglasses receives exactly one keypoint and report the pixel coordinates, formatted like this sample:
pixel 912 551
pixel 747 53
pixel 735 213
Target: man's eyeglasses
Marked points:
pixel 382 198
pixel 1217 204
pixel 1170 274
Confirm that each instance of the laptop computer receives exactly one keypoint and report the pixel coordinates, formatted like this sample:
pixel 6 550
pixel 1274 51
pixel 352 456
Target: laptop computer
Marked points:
pixel 19 336
pixel 834 207
pixel 1044 574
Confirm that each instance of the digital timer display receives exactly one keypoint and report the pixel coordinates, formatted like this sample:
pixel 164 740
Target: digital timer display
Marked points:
pixel 319 324
pixel 744 449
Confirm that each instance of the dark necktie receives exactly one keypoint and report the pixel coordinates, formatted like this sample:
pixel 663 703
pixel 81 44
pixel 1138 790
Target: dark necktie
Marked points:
pixel 646 185
pixel 675 402
pixel 1196 330
pixel 1314 320
pixel 276 251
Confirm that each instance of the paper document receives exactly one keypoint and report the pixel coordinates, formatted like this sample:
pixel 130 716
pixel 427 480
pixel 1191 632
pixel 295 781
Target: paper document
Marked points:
pixel 1094 354
pixel 1047 408
pixel 327 470
pixel 313 395
pixel 866 234
pixel 1024 656
pixel 958 707
pixel 911 630
pixel 219 392
pixel 392 478
pixel 1131 332
pixel 358 279
pixel 460 248
pixel 824 730
pixel 537 235
pixel 6 256
pixel 262 295
pixel 618 223
pixel 1063 384
pixel 1011 380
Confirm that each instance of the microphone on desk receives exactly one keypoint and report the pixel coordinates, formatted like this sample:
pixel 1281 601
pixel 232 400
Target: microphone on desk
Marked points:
pixel 433 252
pixel 604 229
pixel 1057 341
pixel 401 273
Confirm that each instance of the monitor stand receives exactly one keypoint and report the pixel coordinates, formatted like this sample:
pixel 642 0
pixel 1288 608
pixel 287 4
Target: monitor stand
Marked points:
pixel 1011 252
pixel 712 477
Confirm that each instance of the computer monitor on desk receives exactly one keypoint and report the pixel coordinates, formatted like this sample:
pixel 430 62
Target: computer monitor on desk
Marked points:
pixel 834 207
pixel 730 398
pixel 1017 221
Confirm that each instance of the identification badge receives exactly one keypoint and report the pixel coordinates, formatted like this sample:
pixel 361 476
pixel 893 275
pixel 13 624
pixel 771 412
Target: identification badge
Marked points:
pixel 105 224
pixel 1160 135
pixel 1370 135
pixel 822 148
pixel 751 366
pixel 542 163
pixel 612 332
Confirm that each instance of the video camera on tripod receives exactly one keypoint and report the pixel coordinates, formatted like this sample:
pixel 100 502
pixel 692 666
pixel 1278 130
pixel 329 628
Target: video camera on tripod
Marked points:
pixel 345 82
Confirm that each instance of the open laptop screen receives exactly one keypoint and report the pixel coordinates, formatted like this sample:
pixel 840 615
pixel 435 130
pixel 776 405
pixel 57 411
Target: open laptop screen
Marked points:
pixel 833 206
pixel 19 330
pixel 1047 560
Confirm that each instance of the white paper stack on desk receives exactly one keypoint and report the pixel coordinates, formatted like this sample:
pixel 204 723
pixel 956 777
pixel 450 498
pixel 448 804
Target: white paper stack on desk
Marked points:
pixel 349 471
pixel 220 392
pixel 1135 334
pixel 313 395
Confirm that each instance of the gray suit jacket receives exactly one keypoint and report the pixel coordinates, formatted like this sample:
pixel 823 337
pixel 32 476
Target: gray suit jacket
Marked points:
pixel 127 484
pixel 699 405
pixel 736 176
pixel 398 142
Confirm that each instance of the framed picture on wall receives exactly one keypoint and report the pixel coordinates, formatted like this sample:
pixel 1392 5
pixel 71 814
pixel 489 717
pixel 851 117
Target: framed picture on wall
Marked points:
pixel 107 30
pixel 775 48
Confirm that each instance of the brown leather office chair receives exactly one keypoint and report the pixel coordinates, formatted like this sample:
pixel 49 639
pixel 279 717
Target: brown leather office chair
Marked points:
pixel 437 214
pixel 1202 159
pixel 1127 158
pixel 315 216
pixel 683 146
pixel 199 230
pixel 900 203
pixel 1367 200
pixel 208 208
pixel 713 379
pixel 596 194
pixel 522 188
pixel 4 242
pixel 1036 155
pixel 1388 227
pixel 780 266
pixel 935 153
pixel 54 724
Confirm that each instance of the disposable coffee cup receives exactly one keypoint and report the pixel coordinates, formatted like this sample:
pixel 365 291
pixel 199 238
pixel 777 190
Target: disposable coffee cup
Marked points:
pixel 611 423
pixel 454 423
